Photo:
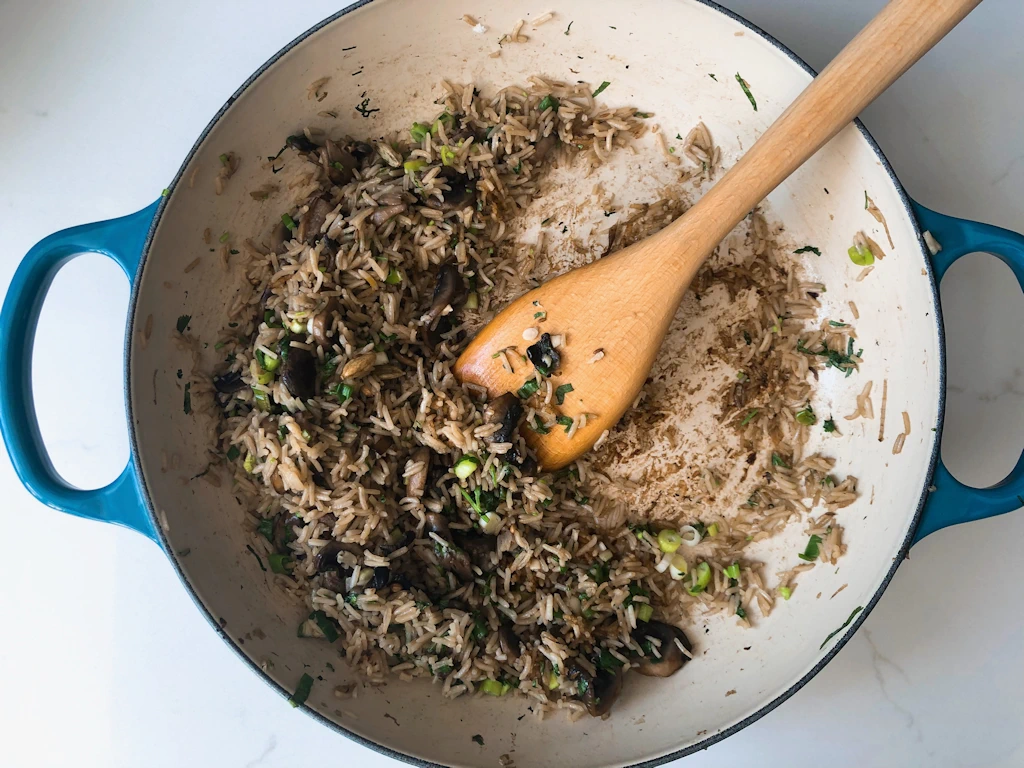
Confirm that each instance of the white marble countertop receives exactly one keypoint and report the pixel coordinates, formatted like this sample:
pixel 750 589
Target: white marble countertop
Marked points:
pixel 104 660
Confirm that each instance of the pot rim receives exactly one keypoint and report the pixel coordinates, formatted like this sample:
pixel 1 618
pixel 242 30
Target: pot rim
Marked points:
pixel 704 743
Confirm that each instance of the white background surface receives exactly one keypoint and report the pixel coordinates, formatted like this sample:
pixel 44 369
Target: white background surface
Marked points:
pixel 104 661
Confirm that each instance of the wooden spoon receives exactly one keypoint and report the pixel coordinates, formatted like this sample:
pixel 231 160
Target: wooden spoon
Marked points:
pixel 623 304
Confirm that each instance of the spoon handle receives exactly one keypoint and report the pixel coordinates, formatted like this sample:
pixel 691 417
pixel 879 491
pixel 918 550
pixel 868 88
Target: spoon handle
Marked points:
pixel 896 38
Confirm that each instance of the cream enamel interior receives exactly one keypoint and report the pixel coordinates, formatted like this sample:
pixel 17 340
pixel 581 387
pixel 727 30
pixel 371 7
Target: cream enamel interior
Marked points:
pixel 671 47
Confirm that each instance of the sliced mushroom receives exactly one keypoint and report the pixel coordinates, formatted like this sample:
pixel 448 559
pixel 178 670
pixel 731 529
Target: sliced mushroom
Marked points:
pixel 279 235
pixel 358 149
pixel 312 221
pixel 229 382
pixel 461 193
pixel 448 288
pixel 300 143
pixel 338 162
pixel 479 546
pixel 544 356
pixel 433 335
pixel 320 326
pixel 542 148
pixel 416 483
pixel 327 558
pixel 451 557
pixel 381 577
pixel 597 692
pixel 282 532
pixel 382 444
pixel 381 216
pixel 404 540
pixel 298 371
pixel 509 642
pixel 672 658
pixel 506 411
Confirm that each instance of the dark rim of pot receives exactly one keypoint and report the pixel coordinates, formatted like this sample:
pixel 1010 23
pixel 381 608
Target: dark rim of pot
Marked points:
pixel 703 743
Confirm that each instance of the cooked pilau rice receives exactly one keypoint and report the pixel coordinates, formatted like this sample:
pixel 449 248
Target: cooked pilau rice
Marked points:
pixel 342 420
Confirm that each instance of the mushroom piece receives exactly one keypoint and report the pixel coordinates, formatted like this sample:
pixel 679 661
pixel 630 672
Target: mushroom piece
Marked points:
pixel 327 558
pixel 381 577
pixel 448 288
pixel 337 162
pixel 451 557
pixel 300 143
pixel 672 658
pixel 544 356
pixel 381 216
pixel 461 192
pixel 229 383
pixel 298 371
pixel 312 220
pixel 320 326
pixel 282 533
pixel 599 691
pixel 509 642
pixel 433 336
pixel 358 149
pixel 506 411
pixel 416 483
pixel 278 237
pixel 404 540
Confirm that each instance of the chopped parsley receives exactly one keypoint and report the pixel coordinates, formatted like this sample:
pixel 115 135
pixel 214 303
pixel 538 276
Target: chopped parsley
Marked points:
pixel 846 623
pixel 477 737
pixel 811 553
pixel 600 88
pixel 835 358
pixel 183 321
pixel 565 421
pixel 561 392
pixel 808 249
pixel 482 502
pixel 302 691
pixel 188 399
pixel 746 90
pixel 829 425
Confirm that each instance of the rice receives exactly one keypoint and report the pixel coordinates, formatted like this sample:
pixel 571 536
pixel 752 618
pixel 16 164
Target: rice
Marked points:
pixel 395 504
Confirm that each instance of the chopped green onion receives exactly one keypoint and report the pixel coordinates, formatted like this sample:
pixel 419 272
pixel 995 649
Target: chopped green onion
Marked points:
pixel 289 222
pixel 746 90
pixel 261 399
pixel 551 679
pixel 538 426
pixel 700 579
pixel 233 453
pixel 466 466
pixel 778 461
pixel 836 324
pixel 598 572
pixel 643 115
pixel 224 160
pixel 302 690
pixel 806 417
pixel 565 421
pixel 490 523
pixel 808 249
pixel 548 102
pixel 644 611
pixel 393 278
pixel 785 592
pixel 733 571
pixel 608 662
pixel 749 417
pixel 296 326
pixel 266 529
pixel 829 426
pixel 225 236
pixel 472 301
pixel 846 623
pixel 494 688
pixel 183 321
pixel 419 131
pixel 561 392
pixel 447 155
pixel 713 529
pixel 267 363
pixel 677 567
pixel 445 118
pixel 861 255
pixel 165 192
pixel 669 541
pixel 264 377
pixel 326 625
pixel 280 563
pixel 740 612
pixel 528 389
pixel 411 166
pixel 600 88
pixel 811 553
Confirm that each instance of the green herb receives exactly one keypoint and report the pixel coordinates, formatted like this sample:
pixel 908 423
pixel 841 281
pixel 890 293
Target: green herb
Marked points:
pixel 448 156
pixel 733 571
pixel 352 599
pixel 188 399
pixel 280 563
pixel 700 578
pixel 482 502
pixel 183 322
pixel 644 612
pixel 478 739
pixel 740 612
pixel 565 421
pixel 258 560
pixel 608 662
pixel 302 691
pixel 561 392
pixel 494 688
pixel 811 553
pixel 808 249
pixel 749 417
pixel 836 324
pixel 746 90
pixel 444 118
pixel 846 623
pixel 835 358
pixel 806 417
pixel 548 102
pixel 540 315
pixel 786 593
pixel 289 222
pixel 600 88
pixel 341 392
pixel 412 166
pixel 778 461
pixel 326 625
pixel 643 115
pixel 538 426
pixel 224 238
pixel 861 255
pixel 266 529
pixel 393 278
pixel 598 572
pixel 419 131
pixel 480 629
pixel 829 426
pixel 233 453
pixel 528 389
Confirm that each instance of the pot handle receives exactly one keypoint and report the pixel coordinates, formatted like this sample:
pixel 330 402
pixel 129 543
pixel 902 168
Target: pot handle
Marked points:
pixel 950 501
pixel 122 240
